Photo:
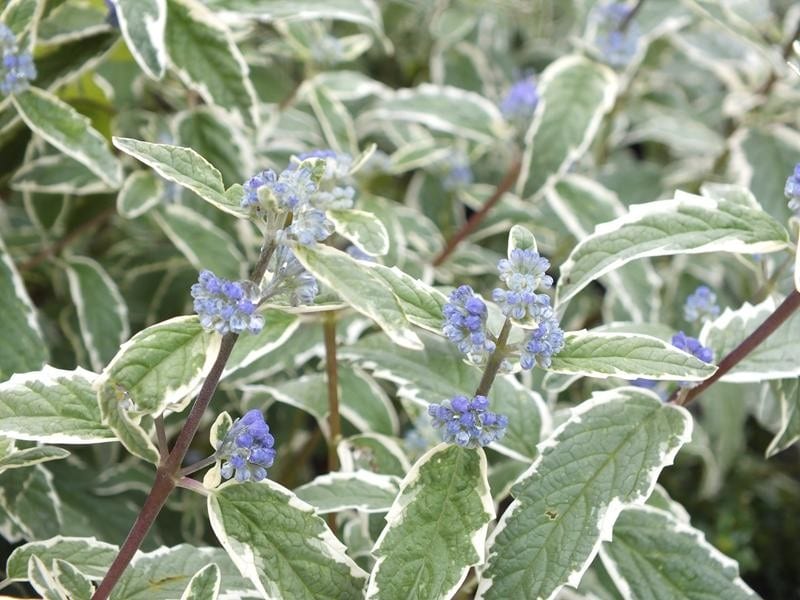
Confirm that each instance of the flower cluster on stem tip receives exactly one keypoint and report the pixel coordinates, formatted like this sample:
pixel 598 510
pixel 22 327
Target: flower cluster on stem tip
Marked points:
pixel 701 304
pixel 227 306
pixel 465 317
pixel 290 277
pixel 523 272
pixel 18 67
pixel 247 451
pixel 543 342
pixel 468 423
pixel 792 190
pixel 520 100
pixel 616 44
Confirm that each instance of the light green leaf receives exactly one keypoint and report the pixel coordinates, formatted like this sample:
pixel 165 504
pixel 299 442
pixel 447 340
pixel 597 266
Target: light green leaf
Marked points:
pixel 53 406
pixel 76 585
pixel 363 291
pixel 627 355
pixel 520 238
pixel 69 131
pixel 439 373
pixel 296 556
pixel 16 459
pixel 335 121
pixel 688 224
pixel 774 358
pixel 278 328
pixel 185 167
pixel 574 94
pixel 788 393
pixel 115 407
pixel 160 367
pixel 141 191
pixel 91 556
pixel 204 245
pixel 653 555
pixel 363 229
pixel 417 155
pixel 365 403
pixel 442 108
pixel 204 585
pixel 29 499
pixel 57 174
pixel 436 528
pixel 43 581
pixel 361 490
pixel 207 60
pixel 21 16
pixel 26 350
pixel 72 21
pixel 142 23
pixel 102 312
pixel 611 451
pixel 373 452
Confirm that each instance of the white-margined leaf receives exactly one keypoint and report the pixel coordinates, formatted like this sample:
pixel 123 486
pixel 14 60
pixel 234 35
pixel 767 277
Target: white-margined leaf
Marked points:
pixel 141 191
pixel 204 585
pixel 72 21
pixel 439 372
pixel 436 528
pixel 627 355
pixel 43 581
pixel 520 238
pixel 204 245
pixel 363 229
pixel 421 304
pixel 20 16
pixel 609 453
pixel 373 452
pixel 128 427
pixel 185 167
pixel 29 499
pixel 688 224
pixel 280 545
pixel 52 406
pixel 76 585
pixel 143 23
pixel 205 57
pixel 575 93
pixel 69 131
pixel 334 119
pixel 417 155
pixel 788 393
pixel 442 108
pixel 774 358
pixel 25 350
pixel 102 312
pixel 57 174
pixel 653 555
pixel 278 328
pixel 13 458
pixel 91 556
pixel 360 490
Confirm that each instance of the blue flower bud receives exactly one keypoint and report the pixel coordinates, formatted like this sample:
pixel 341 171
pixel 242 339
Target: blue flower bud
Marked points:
pixel 227 306
pixel 693 346
pixel 467 423
pixel 247 450
pixel 17 66
pixel 465 324
pixel 521 99
pixel 792 190
pixel 545 341
pixel 525 271
pixel 615 45
pixel 701 304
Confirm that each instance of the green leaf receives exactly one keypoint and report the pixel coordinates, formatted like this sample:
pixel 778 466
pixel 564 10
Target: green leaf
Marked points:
pixel 65 128
pixel 362 290
pixel 142 23
pixel 611 452
pixel 439 373
pixel 53 406
pixel 436 528
pixel 20 16
pixel 774 358
pixel 520 238
pixel 30 500
pixel 204 245
pixel 278 543
pixel 161 366
pixel 115 408
pixel 361 490
pixel 207 60
pixel 16 459
pixel 629 356
pixel 574 94
pixel 76 585
pixel 417 155
pixel 102 312
pixel 653 555
pixel 71 21
pixel 788 393
pixel 363 229
pixel 278 329
pixel 334 119
pixel 421 304
pixel 91 556
pixel 364 403
pixel 57 174
pixel 26 349
pixel 447 109
pixel 204 585
pixel 688 224
pixel 43 581
pixel 141 191
pixel 185 167
pixel 373 452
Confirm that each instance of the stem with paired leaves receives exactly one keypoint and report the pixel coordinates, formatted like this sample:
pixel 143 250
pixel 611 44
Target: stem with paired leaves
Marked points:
pixel 750 343
pixel 168 473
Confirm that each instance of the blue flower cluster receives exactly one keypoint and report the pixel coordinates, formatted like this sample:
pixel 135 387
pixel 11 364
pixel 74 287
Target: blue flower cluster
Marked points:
pixel 459 172
pixel 523 273
pixel 468 423
pixel 792 190
pixel 247 449
pixel 335 169
pixel 18 67
pixel 617 46
pixel 693 346
pixel 290 277
pixel 465 324
pixel 521 99
pixel 227 306
pixel 700 304
pixel 545 341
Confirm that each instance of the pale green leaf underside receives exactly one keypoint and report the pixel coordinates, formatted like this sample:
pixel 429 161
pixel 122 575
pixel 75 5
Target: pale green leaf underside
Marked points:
pixel 688 224
pixel 361 490
pixel 436 528
pixel 278 542
pixel 69 131
pixel 609 453
pixel 629 356
pixel 653 556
